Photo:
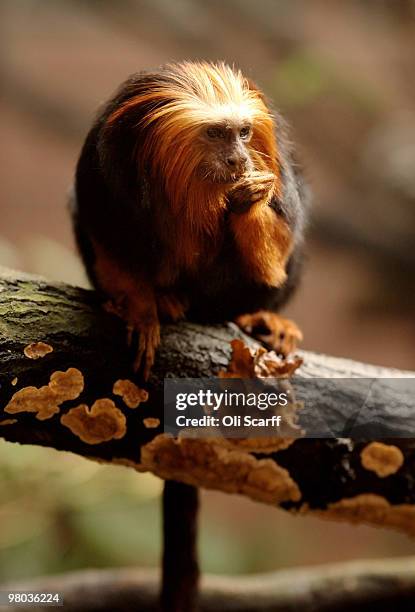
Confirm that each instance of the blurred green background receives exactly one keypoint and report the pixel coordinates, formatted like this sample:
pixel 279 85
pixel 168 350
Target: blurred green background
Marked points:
pixel 342 73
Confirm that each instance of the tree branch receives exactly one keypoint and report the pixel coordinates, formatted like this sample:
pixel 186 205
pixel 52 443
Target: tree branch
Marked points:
pixel 328 477
pixel 380 585
pixel 180 572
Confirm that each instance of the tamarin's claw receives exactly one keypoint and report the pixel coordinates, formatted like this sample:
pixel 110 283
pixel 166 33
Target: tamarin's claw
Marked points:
pixel 171 307
pixel 148 341
pixel 279 334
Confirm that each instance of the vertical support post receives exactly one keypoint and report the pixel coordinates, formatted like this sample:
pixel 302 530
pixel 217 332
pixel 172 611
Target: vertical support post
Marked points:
pixel 180 568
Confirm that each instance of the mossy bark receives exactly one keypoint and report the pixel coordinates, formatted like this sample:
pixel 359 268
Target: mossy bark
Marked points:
pixel 323 476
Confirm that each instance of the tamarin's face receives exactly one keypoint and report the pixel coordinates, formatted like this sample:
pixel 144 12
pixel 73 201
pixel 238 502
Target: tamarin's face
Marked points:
pixel 225 146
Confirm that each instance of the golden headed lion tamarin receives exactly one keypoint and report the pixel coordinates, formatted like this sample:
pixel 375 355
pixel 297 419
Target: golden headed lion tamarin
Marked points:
pixel 187 204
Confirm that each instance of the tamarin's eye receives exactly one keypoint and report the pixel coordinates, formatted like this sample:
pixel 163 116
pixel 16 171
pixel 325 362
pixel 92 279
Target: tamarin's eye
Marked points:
pixel 213 132
pixel 245 131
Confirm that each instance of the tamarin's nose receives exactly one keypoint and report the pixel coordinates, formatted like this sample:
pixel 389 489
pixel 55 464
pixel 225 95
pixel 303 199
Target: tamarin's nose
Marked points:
pixel 237 162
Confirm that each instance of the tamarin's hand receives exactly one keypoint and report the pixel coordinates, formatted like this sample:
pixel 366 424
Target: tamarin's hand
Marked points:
pixel 251 188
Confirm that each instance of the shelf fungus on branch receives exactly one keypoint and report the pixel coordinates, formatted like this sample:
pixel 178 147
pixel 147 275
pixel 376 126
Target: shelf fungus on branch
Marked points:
pixel 79 394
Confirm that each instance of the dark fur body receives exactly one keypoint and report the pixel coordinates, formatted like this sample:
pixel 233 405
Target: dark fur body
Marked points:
pixel 112 205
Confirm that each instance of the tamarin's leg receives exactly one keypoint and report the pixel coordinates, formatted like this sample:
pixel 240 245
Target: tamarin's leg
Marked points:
pixel 279 334
pixel 133 300
pixel 262 236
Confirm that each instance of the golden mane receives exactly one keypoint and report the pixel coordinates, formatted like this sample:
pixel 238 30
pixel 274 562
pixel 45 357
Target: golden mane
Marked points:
pixel 186 97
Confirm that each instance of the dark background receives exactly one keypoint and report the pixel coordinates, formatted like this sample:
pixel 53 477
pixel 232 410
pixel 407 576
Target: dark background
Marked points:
pixel 343 74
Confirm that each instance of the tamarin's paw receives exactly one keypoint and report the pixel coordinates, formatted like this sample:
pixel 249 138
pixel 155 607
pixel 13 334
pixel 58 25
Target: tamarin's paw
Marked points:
pixel 148 341
pixel 145 332
pixel 251 188
pixel 279 334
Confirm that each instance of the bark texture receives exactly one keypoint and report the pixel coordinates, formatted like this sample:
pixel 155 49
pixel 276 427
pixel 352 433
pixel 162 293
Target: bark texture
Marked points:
pixel 75 398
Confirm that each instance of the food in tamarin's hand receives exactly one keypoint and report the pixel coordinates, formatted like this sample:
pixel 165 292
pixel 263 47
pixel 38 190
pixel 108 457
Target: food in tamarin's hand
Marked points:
pixel 188 204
